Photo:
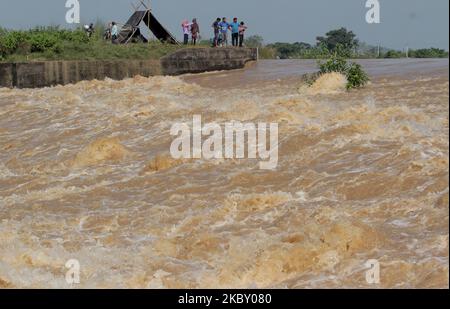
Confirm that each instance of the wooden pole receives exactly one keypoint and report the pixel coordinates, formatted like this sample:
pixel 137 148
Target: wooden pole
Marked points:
pixel 149 16
pixel 143 3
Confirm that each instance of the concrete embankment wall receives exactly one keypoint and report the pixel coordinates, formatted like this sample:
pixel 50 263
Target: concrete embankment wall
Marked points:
pixel 50 73
pixel 197 60
pixel 191 60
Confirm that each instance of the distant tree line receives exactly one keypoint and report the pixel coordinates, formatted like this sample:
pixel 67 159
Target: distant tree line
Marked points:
pixel 341 40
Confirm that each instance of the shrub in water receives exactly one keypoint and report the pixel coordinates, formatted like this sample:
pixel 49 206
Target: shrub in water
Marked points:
pixel 356 76
pixel 334 64
pixel 354 72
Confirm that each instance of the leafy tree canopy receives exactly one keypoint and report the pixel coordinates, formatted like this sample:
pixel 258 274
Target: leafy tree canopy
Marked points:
pixel 340 37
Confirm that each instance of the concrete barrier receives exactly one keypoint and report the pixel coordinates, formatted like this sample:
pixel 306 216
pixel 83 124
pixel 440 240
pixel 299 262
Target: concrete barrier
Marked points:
pixel 197 60
pixel 50 73
pixel 6 75
pixel 189 60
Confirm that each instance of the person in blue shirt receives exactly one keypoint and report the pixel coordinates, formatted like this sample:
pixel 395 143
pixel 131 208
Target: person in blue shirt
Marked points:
pixel 224 27
pixel 235 32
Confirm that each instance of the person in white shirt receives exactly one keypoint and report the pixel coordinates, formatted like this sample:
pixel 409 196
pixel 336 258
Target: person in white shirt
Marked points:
pixel 114 32
pixel 186 31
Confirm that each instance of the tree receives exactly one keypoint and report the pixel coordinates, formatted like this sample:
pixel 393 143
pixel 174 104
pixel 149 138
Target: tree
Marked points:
pixel 394 54
pixel 287 50
pixel 340 37
pixel 254 41
pixel 429 53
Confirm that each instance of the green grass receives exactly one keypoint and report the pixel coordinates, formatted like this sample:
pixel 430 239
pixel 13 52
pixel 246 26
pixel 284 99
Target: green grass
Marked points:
pixel 97 50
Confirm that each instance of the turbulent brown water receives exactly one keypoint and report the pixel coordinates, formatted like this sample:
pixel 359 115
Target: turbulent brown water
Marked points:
pixel 85 174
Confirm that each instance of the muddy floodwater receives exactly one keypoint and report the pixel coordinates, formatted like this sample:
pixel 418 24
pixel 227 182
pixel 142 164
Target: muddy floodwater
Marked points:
pixel 86 174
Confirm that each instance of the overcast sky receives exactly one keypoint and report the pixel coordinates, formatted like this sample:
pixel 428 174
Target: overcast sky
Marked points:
pixel 414 23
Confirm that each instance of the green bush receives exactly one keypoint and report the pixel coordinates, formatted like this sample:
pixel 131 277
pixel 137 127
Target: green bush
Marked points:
pixel 333 64
pixel 10 41
pixel 78 36
pixel 38 40
pixel 41 42
pixel 394 54
pixel 356 77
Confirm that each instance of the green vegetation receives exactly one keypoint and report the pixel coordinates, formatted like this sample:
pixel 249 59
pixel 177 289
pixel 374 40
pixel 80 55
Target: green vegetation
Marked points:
pixel 335 63
pixel 341 38
pixel 257 41
pixel 356 77
pixel 52 43
pixel 299 50
pixel 394 54
pixel 254 41
pixel 419 53
pixel 347 43
pixel 429 53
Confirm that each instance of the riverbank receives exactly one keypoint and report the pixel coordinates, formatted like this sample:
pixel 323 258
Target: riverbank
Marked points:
pixel 96 50
pixel 55 44
pixel 187 60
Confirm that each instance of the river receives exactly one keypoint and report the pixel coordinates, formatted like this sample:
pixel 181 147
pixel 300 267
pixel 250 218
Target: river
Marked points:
pixel 85 174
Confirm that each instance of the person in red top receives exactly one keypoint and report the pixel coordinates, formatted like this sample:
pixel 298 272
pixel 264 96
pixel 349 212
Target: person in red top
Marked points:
pixel 195 31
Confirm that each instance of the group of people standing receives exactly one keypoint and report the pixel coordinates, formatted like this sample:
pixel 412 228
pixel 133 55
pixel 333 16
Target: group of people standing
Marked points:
pixel 192 29
pixel 221 29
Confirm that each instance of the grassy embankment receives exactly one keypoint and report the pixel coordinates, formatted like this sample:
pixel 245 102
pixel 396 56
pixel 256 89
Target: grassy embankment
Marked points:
pixel 52 43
